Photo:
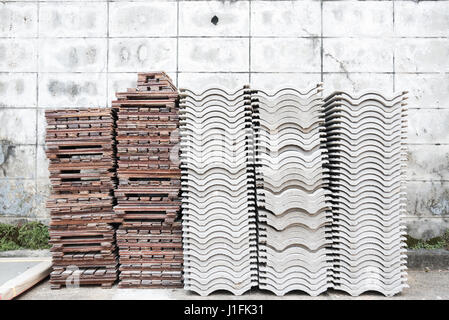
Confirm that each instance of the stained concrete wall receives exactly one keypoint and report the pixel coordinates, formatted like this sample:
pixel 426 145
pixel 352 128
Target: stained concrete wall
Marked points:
pixel 78 53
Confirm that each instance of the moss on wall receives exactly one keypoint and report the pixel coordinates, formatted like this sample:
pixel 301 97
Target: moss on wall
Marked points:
pixel 433 243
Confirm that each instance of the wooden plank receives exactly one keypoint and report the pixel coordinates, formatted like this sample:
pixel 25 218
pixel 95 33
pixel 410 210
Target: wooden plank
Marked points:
pixel 24 281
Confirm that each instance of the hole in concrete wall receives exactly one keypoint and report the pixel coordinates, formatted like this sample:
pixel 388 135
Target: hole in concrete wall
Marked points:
pixel 214 20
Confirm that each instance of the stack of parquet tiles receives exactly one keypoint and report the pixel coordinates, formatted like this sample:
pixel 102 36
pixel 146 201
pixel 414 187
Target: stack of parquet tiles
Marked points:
pixel 150 238
pixel 80 149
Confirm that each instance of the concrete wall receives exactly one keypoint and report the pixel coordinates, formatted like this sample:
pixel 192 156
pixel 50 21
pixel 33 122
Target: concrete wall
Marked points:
pixel 78 53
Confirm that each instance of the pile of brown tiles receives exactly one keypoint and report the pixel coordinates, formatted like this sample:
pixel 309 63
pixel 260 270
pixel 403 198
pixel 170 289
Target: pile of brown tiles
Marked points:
pixel 80 149
pixel 148 202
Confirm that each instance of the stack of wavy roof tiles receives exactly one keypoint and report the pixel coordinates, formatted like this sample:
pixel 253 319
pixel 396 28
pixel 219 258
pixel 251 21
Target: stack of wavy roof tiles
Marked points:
pixel 366 137
pixel 80 149
pixel 219 223
pixel 329 176
pixel 149 239
pixel 292 199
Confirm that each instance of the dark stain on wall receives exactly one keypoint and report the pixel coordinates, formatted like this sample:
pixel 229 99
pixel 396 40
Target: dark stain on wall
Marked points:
pixel 6 151
pixel 72 89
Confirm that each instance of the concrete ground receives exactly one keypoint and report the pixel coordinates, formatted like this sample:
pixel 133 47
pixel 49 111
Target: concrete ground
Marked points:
pixel 431 285
pixel 14 266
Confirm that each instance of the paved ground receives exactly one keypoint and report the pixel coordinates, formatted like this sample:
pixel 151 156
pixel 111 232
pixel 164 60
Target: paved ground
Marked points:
pixel 423 286
pixel 12 267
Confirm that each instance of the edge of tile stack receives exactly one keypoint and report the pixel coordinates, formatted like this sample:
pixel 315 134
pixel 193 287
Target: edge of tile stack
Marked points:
pixel 366 139
pixel 294 218
pixel 80 149
pixel 219 218
pixel 150 238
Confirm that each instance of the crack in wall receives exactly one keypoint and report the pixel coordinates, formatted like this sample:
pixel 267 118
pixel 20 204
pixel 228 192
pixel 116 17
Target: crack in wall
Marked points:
pixel 343 68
